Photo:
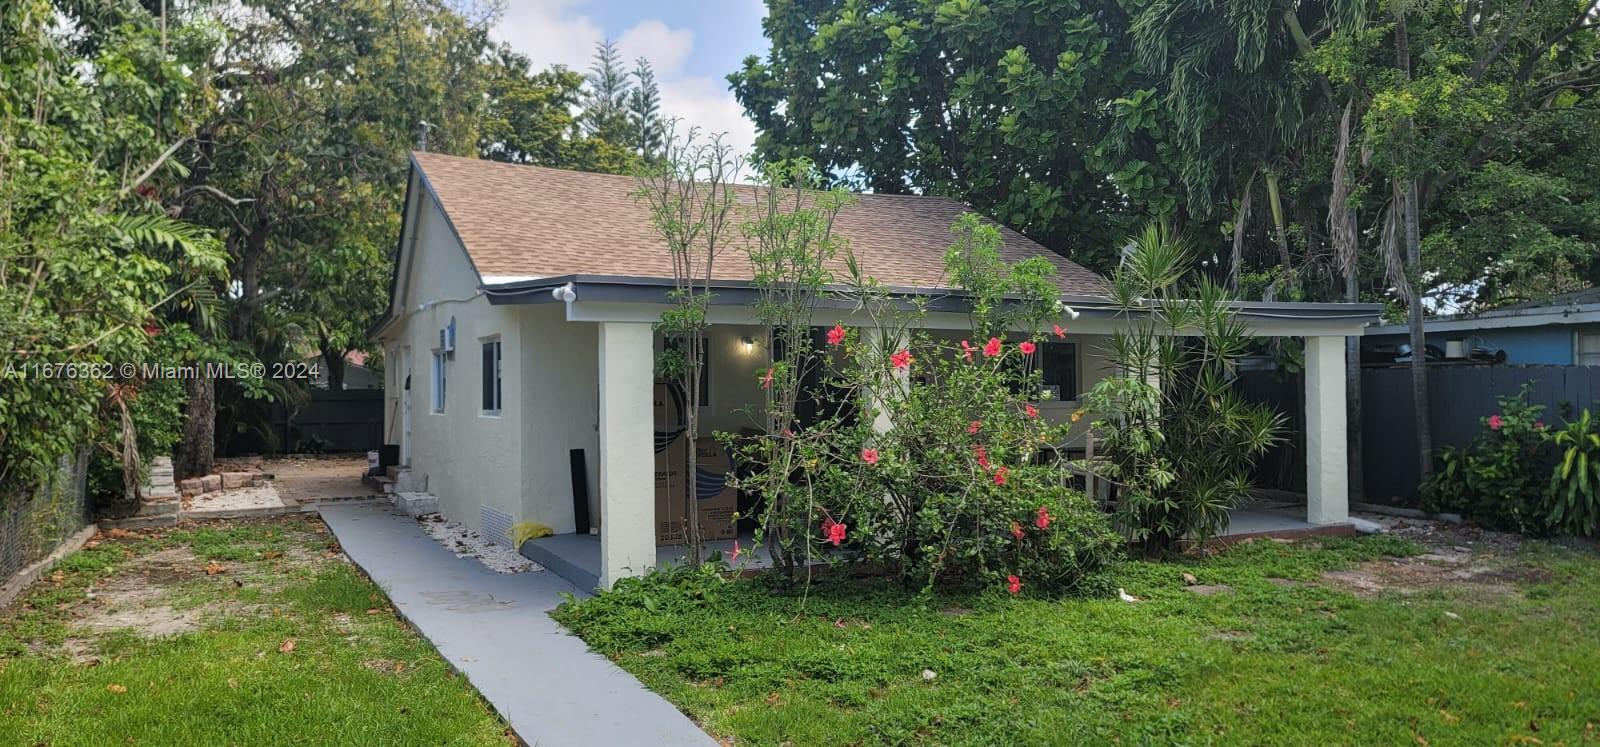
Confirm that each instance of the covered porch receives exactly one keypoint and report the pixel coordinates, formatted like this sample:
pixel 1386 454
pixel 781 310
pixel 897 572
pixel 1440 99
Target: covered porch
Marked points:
pixel 623 315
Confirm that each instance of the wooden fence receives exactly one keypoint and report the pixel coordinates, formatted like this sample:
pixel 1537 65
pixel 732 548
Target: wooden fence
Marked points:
pixel 1458 397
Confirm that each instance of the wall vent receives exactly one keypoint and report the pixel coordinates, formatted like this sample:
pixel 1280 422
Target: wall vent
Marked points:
pixel 496 525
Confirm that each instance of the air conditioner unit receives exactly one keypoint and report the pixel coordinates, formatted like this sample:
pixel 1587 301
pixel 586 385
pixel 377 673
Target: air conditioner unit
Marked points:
pixel 447 337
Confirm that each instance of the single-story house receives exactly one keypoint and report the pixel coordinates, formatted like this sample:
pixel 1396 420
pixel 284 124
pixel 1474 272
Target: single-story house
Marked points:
pixel 521 334
pixel 1561 331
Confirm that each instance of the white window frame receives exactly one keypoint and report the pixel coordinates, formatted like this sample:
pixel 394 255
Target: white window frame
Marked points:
pixel 1586 339
pixel 499 383
pixel 439 381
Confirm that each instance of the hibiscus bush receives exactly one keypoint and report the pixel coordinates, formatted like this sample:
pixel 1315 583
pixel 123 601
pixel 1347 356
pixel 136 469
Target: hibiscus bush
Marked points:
pixel 930 460
pixel 1500 480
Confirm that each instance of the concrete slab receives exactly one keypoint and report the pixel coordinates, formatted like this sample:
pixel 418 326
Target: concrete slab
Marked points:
pixel 576 557
pixel 495 630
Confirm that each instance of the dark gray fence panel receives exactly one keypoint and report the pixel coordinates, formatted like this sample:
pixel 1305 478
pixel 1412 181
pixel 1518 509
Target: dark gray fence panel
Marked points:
pixel 348 420
pixel 1458 397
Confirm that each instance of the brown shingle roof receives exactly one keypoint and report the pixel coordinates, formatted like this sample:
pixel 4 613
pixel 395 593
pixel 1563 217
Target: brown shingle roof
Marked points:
pixel 531 221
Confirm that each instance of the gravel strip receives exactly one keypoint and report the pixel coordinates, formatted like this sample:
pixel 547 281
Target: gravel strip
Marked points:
pixel 466 543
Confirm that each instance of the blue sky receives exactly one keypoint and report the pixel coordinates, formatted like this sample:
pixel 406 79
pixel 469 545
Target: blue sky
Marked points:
pixel 691 43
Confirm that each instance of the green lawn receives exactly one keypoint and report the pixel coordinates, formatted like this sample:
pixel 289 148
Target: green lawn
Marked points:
pixel 1494 650
pixel 248 633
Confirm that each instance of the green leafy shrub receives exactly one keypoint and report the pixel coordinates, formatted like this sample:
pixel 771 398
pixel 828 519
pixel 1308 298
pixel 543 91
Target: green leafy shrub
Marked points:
pixel 1174 436
pixel 1573 500
pixel 1501 479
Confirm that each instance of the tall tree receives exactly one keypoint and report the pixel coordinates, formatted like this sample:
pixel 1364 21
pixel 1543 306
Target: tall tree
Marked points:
pixel 644 110
pixel 605 106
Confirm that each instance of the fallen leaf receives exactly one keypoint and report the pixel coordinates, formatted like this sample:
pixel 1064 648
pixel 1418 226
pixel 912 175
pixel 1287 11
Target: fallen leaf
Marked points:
pixel 118 689
pixel 1189 578
pixel 213 568
pixel 57 577
pixel 233 684
pixel 272 555
pixel 373 611
pixel 1449 718
pixel 119 533
pixel 287 647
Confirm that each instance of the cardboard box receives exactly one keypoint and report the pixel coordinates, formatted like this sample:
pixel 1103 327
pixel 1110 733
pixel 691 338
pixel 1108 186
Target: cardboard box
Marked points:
pixel 717 500
pixel 671 462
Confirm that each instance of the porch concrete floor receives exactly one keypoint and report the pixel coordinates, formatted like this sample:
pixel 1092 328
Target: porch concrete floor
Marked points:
pixel 495 629
pixel 576 557
pixel 1276 517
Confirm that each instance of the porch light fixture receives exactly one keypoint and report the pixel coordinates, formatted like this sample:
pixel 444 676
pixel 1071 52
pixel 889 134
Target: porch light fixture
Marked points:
pixel 748 342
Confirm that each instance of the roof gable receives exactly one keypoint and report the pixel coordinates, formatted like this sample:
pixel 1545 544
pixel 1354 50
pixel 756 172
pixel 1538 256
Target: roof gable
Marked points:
pixel 519 222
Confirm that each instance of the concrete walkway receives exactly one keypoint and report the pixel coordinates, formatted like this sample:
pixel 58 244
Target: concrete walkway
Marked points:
pixel 494 629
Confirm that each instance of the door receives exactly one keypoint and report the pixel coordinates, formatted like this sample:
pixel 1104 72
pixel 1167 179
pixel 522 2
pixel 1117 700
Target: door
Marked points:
pixel 405 411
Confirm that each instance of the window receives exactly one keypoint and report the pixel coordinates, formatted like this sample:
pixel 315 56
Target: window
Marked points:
pixel 1058 366
pixel 1588 349
pixel 439 361
pixel 491 377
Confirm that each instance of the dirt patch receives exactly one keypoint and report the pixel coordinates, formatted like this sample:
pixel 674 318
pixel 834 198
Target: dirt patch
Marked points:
pixel 385 666
pixel 136 598
pixel 305 479
pixel 1474 575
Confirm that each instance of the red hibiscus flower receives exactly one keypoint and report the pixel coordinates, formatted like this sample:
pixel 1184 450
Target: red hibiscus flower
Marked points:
pixel 1495 422
pixel 1013 584
pixel 1027 347
pixel 1538 425
pixel 836 335
pixel 1000 476
pixel 1032 411
pixel 766 381
pixel 901 359
pixel 1061 334
pixel 734 556
pixel 966 350
pixel 982 455
pixel 976 425
pixel 1016 530
pixel 1043 520
pixel 991 348
pixel 870 456
pixel 834 530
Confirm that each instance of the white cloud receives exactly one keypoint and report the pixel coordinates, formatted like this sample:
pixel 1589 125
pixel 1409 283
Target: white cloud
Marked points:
pixel 552 32
pixel 549 33
pixel 666 48
pixel 708 104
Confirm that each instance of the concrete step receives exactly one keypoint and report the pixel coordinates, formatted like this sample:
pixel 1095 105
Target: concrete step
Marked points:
pixel 416 504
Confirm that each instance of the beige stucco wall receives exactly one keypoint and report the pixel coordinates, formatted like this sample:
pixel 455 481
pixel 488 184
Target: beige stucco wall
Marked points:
pixel 558 411
pixel 467 457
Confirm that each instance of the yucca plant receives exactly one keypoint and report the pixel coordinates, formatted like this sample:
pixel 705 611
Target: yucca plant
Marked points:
pixel 1573 501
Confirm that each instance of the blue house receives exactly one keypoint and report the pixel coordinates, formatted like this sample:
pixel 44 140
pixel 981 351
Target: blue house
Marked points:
pixel 1565 330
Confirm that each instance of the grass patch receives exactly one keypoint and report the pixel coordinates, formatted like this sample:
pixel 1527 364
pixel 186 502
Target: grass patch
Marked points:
pixel 278 641
pixel 1281 656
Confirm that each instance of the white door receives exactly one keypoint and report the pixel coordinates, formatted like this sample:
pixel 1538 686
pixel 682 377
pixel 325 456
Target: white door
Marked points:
pixel 405 411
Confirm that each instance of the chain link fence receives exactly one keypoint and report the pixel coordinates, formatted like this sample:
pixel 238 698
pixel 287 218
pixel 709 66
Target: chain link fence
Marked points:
pixel 34 522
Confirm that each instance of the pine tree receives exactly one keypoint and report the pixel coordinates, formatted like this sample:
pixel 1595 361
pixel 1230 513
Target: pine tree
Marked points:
pixel 605 113
pixel 644 110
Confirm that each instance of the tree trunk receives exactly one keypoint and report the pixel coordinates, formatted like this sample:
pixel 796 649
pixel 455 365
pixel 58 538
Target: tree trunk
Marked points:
pixel 333 364
pixel 1280 232
pixel 1412 237
pixel 197 451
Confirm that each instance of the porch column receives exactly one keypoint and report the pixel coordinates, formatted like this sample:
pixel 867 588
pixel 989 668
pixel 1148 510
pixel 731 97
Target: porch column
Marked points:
pixel 1327 478
pixel 627 456
pixel 888 342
